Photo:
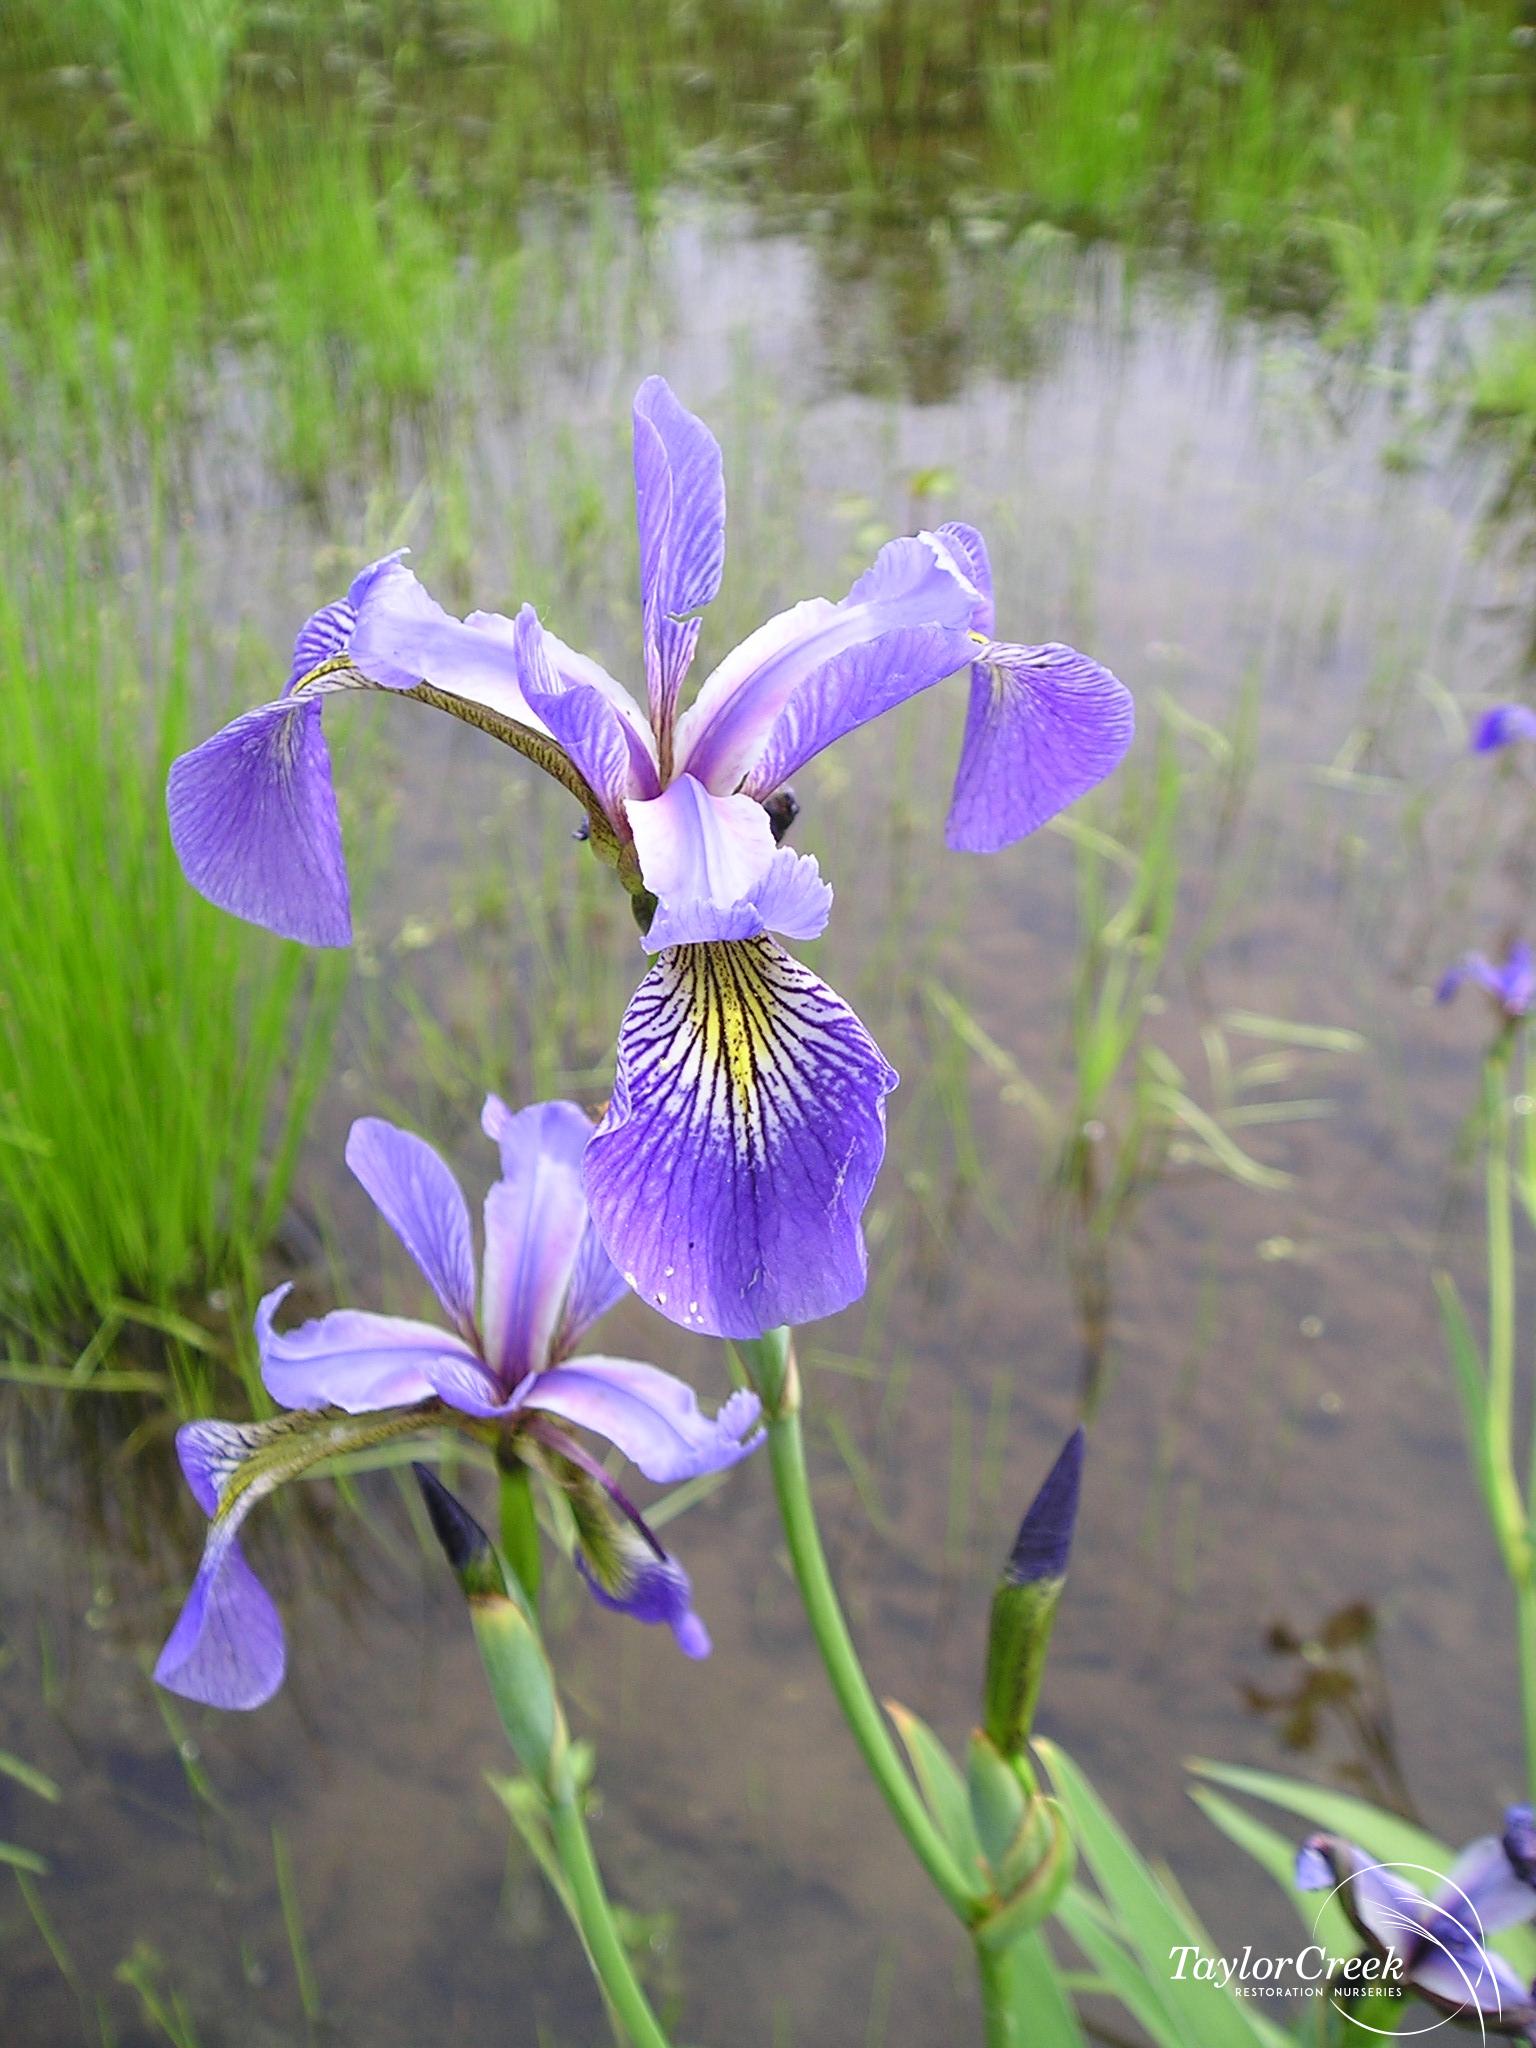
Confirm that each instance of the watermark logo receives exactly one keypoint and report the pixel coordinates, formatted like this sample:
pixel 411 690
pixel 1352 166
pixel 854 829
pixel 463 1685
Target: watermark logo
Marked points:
pixel 1434 1950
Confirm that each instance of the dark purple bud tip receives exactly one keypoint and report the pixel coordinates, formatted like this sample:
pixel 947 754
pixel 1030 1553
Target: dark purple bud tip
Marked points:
pixel 1520 1842
pixel 1044 1541
pixel 783 807
pixel 465 1544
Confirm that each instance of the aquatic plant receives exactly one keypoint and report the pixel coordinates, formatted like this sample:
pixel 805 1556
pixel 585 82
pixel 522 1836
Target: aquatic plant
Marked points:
pixel 745 1129
pixel 157 1065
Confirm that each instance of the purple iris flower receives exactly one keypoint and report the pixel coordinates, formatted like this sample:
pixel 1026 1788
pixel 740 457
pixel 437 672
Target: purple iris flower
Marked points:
pixel 501 1365
pixel 1511 983
pixel 729 1175
pixel 1502 725
pixel 1440 1940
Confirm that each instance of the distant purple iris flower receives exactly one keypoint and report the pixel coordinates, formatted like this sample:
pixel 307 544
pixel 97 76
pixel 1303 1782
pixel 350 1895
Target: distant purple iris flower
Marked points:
pixel 1502 725
pixel 503 1363
pixel 729 1176
pixel 1440 1941
pixel 1511 982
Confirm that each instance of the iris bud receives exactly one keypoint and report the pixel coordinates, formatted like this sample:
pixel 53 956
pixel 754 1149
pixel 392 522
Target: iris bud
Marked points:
pixel 1024 1605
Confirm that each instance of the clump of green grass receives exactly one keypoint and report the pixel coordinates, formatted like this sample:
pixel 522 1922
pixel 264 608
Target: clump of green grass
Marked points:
pixel 169 58
pixel 158 1060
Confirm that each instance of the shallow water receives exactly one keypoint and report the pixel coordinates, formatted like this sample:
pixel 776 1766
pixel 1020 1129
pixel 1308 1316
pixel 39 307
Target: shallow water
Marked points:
pixel 1212 506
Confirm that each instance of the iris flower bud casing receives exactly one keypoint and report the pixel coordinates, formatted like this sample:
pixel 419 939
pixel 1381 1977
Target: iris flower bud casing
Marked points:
pixel 1024 1605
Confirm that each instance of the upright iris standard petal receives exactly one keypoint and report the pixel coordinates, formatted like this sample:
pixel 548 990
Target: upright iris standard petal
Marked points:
pixel 715 871
pixel 746 1128
pixel 649 1586
pixel 1502 725
pixel 914 582
pixel 594 1283
pixel 536 1229
pixel 680 510
pixel 1045 725
pixel 650 1415
pixel 415 1192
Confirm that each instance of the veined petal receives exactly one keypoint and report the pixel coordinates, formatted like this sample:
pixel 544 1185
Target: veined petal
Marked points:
pixel 649 1415
pixel 227 1646
pixel 253 820
pixel 1472 1980
pixel 415 1192
pixel 581 671
pixel 967 545
pixel 579 716
pixel 646 1587
pixel 715 871
pixel 536 1230
pixel 680 510
pixel 328 632
pixel 352 1360
pixel 593 1283
pixel 403 637
pixel 850 690
pixel 746 1127
pixel 914 582
pixel 1045 725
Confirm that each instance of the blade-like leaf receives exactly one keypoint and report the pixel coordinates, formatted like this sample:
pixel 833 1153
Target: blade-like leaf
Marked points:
pixel 943 1787
pixel 1046 2017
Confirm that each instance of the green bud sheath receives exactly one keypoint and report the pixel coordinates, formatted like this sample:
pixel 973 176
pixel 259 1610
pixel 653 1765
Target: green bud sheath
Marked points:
pixel 522 1684
pixel 1024 1605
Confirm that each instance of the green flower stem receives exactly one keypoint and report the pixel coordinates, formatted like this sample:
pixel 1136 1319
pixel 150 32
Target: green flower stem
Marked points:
pixel 999 2007
pixel 791 1483
pixel 519 1524
pixel 1513 1511
pixel 595 1923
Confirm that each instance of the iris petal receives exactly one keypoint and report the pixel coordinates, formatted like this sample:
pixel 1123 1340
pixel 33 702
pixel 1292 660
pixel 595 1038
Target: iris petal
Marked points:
pixel 350 1359
pixel 651 1416
pixel 747 1125
pixel 537 1236
pixel 730 728
pixel 1045 725
pixel 415 1192
pixel 712 865
pixel 680 510
pixel 651 1589
pixel 254 823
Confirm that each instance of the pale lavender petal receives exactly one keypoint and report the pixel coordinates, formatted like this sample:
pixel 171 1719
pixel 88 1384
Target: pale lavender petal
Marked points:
pixel 968 547
pixel 417 1195
pixel 649 1415
pixel 852 689
pixel 403 637
pixel 1466 1978
pixel 1501 725
pixel 253 820
pixel 535 1225
pixel 1380 1898
pixel 226 1649
pixel 581 671
pixel 746 1127
pixel 651 1589
pixel 914 582
pixel 712 865
pixel 680 509
pixel 350 1359
pixel 328 632
pixel 594 1283
pixel 1045 725
pixel 580 717
pixel 1486 1890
